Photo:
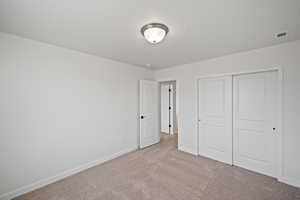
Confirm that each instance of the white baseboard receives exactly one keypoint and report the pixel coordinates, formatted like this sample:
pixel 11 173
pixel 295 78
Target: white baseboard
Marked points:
pixel 187 150
pixel 47 181
pixel 290 181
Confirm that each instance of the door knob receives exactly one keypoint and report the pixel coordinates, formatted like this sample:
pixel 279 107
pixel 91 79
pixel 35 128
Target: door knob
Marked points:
pixel 142 117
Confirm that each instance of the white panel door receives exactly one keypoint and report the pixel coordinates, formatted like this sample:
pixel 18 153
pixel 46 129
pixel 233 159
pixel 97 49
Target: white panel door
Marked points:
pixel 165 112
pixel 149 113
pixel 255 118
pixel 215 118
pixel 171 110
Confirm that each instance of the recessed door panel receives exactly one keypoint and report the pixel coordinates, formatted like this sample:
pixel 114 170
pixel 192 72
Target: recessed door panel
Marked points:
pixel 214 97
pixel 212 135
pixel 249 140
pixel 251 92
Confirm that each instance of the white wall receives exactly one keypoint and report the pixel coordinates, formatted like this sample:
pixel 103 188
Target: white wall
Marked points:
pixel 285 55
pixel 60 109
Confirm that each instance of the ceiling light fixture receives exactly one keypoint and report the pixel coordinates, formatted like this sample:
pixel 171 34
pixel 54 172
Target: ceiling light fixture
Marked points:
pixel 154 33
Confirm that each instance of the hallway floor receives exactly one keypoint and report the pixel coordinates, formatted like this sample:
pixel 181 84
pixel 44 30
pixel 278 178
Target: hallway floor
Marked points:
pixel 161 172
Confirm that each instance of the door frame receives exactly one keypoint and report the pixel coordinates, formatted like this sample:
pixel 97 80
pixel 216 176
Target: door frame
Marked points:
pixel 176 106
pixel 280 73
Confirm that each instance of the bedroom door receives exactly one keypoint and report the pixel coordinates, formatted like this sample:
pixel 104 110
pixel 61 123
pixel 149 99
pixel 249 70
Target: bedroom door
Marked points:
pixel 149 113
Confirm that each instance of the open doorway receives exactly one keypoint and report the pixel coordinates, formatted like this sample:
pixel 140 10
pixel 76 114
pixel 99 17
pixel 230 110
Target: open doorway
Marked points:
pixel 168 116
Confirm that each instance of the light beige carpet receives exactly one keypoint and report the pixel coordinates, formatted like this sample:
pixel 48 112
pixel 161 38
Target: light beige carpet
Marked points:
pixel 161 172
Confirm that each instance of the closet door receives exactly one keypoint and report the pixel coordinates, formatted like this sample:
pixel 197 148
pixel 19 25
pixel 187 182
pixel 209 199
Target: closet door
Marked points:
pixel 255 118
pixel 215 118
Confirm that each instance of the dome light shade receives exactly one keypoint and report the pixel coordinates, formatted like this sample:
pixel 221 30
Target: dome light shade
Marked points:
pixel 154 33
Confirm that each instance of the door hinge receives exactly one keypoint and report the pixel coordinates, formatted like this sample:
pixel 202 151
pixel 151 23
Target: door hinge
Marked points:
pixel 169 107
pixel 170 125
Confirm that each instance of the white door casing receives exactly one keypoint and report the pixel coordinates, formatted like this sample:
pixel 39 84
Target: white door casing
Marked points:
pixel 215 118
pixel 149 113
pixel 255 114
